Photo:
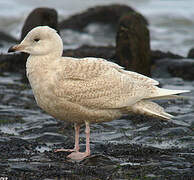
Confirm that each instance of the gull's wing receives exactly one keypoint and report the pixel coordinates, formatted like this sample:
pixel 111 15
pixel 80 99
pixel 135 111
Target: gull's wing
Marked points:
pixel 97 83
pixel 86 68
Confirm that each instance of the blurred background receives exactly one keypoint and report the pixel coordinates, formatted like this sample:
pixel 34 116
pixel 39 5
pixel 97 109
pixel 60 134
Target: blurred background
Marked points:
pixel 171 21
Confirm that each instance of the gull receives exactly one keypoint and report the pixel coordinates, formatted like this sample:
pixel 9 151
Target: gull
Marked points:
pixel 85 90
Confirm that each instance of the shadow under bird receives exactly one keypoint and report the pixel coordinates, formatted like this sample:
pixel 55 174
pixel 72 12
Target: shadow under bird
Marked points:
pixel 87 90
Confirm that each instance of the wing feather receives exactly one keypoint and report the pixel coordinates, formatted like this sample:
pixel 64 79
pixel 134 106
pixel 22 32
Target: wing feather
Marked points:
pixel 97 83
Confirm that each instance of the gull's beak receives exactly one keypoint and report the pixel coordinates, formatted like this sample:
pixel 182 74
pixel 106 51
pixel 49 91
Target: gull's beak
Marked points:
pixel 15 48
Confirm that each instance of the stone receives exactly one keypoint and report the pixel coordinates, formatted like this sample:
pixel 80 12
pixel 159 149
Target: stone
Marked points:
pixel 158 54
pixel 12 63
pixel 106 52
pixel 133 44
pixel 191 53
pixel 40 17
pixel 109 14
pixel 182 68
pixel 165 68
pixel 7 38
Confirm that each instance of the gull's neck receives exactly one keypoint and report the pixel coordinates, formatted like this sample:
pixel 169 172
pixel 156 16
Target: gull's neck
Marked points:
pixel 39 64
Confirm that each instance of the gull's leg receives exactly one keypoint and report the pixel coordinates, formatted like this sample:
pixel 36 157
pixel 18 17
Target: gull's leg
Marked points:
pixel 77 128
pixel 76 147
pixel 81 155
pixel 87 131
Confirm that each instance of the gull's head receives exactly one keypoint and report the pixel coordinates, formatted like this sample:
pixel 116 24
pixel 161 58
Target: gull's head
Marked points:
pixel 41 40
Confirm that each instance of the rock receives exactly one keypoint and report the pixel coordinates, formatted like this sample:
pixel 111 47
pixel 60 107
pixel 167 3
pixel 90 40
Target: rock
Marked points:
pixel 7 38
pixel 176 131
pixel 12 62
pixel 191 53
pixel 40 17
pixel 183 68
pixel 157 54
pixel 133 44
pixel 92 51
pixel 100 14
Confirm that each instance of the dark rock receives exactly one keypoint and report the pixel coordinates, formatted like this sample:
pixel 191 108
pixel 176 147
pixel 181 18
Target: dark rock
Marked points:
pixel 12 62
pixel 40 17
pixel 92 51
pixel 157 54
pixel 7 38
pixel 100 14
pixel 51 137
pixel 183 68
pixel 176 131
pixel 133 44
pixel 13 147
pixel 98 160
pixel 191 53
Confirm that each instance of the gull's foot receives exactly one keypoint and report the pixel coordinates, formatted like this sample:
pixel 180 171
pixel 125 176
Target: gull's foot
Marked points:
pixel 78 155
pixel 66 150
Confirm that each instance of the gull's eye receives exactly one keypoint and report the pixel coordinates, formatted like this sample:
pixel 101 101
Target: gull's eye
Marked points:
pixel 36 39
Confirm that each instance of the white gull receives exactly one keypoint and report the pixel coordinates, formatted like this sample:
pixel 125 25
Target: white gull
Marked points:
pixel 87 90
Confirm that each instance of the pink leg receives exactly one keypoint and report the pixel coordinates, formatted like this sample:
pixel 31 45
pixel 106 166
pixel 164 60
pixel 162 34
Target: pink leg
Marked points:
pixel 77 128
pixel 87 131
pixel 81 155
pixel 76 147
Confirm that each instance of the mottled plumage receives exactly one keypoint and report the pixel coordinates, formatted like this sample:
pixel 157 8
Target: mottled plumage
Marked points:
pixel 85 90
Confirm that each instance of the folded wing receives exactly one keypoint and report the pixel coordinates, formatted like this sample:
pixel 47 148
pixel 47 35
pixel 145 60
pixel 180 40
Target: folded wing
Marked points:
pixel 97 83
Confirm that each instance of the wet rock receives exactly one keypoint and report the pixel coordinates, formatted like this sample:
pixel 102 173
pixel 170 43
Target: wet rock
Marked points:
pixel 117 161
pixel 51 137
pixel 7 38
pixel 100 14
pixel 157 54
pixel 92 51
pixel 98 160
pixel 176 131
pixel 40 17
pixel 165 68
pixel 14 147
pixel 133 44
pixel 160 69
pixel 191 53
pixel 182 68
pixel 12 62
pixel 24 167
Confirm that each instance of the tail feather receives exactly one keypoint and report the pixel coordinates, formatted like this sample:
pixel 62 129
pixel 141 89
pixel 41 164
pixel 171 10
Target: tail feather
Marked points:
pixel 167 97
pixel 150 108
pixel 145 106
pixel 161 93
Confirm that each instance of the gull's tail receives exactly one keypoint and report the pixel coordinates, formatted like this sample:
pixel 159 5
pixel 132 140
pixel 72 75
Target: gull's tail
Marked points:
pixel 147 107
pixel 151 109
pixel 161 93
